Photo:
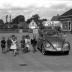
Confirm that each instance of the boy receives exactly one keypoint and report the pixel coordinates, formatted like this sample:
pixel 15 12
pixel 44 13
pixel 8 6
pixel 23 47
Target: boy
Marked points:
pixel 22 44
pixel 8 44
pixel 27 43
pixel 3 44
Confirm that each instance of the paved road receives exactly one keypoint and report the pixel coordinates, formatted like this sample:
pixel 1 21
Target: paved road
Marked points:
pixel 36 62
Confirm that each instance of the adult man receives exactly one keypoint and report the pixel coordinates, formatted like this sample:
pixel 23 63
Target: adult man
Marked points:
pixel 34 43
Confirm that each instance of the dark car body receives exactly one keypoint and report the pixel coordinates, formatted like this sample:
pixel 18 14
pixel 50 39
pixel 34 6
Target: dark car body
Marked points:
pixel 52 41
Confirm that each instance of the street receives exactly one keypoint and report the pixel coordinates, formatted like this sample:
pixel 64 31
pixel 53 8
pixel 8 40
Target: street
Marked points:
pixel 36 36
pixel 37 62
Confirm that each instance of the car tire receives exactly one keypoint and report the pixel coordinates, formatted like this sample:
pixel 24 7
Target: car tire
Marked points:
pixel 67 53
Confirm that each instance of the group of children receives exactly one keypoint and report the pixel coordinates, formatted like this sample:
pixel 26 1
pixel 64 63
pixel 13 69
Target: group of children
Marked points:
pixel 12 44
pixel 28 44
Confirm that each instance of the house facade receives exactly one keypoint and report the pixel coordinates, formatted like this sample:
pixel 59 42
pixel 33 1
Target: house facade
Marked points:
pixel 33 25
pixel 66 19
pixel 34 28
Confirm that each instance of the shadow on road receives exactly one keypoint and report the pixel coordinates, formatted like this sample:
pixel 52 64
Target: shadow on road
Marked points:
pixel 22 64
pixel 55 54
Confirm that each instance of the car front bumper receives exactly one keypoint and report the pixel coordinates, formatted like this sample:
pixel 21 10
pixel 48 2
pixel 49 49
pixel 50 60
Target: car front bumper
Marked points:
pixel 57 52
pixel 57 49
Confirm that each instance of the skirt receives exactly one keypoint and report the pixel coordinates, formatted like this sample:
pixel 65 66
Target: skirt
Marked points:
pixel 13 46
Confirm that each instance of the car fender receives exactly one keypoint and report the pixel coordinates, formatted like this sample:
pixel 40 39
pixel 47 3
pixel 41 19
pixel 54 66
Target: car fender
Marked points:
pixel 68 44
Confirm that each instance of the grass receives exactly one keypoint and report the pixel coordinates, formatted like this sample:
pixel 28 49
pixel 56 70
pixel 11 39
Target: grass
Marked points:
pixel 18 35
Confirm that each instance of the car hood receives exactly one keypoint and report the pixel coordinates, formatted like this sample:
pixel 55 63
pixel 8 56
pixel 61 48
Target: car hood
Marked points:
pixel 55 41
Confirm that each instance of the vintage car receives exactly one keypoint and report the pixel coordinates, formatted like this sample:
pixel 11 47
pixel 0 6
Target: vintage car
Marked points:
pixel 53 41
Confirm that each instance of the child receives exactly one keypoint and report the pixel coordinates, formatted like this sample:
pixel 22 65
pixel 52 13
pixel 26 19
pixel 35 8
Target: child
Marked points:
pixel 27 42
pixel 23 44
pixel 3 44
pixel 14 45
pixel 34 44
pixel 8 44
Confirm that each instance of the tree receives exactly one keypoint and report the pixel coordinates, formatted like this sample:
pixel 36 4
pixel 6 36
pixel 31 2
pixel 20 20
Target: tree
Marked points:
pixel 15 27
pixel 29 20
pixel 1 22
pixel 37 19
pixel 36 16
pixel 18 19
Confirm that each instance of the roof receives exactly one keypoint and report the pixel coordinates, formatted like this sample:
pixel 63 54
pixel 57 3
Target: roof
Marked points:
pixel 32 24
pixel 68 13
pixel 55 18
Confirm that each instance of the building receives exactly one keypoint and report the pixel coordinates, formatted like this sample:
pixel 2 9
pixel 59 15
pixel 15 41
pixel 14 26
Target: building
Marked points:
pixel 55 18
pixel 33 25
pixel 66 19
pixel 34 28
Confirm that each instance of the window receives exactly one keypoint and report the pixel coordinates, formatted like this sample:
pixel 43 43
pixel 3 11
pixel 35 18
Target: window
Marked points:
pixel 69 25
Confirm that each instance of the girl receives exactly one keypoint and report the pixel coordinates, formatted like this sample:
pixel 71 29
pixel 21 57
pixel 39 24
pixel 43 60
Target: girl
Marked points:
pixel 14 44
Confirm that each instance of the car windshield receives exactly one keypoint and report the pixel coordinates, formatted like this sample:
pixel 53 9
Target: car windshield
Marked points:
pixel 51 33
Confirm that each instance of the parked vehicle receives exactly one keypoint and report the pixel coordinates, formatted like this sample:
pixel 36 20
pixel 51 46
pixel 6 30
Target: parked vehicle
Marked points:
pixel 52 41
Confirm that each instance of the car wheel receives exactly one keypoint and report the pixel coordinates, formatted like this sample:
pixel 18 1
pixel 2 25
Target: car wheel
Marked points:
pixel 43 51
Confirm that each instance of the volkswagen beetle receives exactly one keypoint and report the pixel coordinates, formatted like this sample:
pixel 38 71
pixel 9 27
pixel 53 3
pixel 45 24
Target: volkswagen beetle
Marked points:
pixel 53 41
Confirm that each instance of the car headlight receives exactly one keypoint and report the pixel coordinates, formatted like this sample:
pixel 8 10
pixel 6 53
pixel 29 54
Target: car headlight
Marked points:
pixel 65 45
pixel 55 45
pixel 48 45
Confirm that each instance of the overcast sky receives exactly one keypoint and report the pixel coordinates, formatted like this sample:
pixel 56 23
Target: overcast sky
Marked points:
pixel 37 3
pixel 45 8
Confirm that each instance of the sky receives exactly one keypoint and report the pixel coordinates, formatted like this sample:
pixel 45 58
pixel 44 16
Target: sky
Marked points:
pixel 45 8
